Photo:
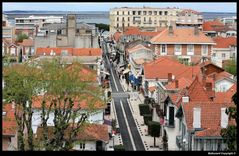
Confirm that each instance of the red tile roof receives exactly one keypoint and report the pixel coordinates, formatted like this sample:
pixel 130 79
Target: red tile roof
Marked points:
pixel 27 43
pixel 225 42
pixel 182 83
pixel 215 25
pixel 225 97
pixel 181 35
pixel 164 65
pixel 83 101
pixel 210 117
pixel 85 73
pixel 9 124
pixel 88 132
pixel 71 51
pixel 137 31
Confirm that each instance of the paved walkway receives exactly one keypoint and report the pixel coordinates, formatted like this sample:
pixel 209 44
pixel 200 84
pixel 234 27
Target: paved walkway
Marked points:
pixel 135 99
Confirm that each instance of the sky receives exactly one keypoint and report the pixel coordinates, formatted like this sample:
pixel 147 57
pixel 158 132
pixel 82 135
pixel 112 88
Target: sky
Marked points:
pixel 201 7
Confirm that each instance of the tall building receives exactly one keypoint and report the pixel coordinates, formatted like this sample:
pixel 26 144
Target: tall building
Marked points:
pixel 150 18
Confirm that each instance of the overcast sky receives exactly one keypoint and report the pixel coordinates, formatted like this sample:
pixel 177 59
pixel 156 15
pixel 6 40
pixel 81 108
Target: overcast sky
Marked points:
pixel 202 7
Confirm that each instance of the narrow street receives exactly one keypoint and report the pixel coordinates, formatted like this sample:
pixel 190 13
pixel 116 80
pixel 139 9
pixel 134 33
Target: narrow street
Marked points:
pixel 129 132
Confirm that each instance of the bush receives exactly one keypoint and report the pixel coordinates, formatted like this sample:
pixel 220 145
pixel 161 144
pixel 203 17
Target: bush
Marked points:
pixel 147 118
pixel 113 124
pixel 144 109
pixel 21 37
pixel 119 148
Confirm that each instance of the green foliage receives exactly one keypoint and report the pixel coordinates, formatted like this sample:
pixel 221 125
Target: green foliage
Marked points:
pixel 231 67
pixel 147 118
pixel 102 26
pixel 21 37
pixel 144 109
pixel 113 124
pixel 119 148
pixel 165 142
pixel 154 128
pixel 229 134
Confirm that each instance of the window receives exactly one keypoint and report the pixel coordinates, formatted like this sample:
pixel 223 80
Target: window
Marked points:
pixel 163 49
pixel 144 19
pixel 123 19
pixel 204 50
pixel 155 12
pixel 190 49
pixel 117 18
pixel 139 12
pixel 117 25
pixel 64 53
pixel 128 18
pixel 165 13
pixel 123 12
pixel 150 12
pixel 145 12
pixel 117 12
pixel 214 54
pixel 223 55
pixel 128 13
pixel 134 12
pixel 128 25
pixel 160 12
pixel 177 49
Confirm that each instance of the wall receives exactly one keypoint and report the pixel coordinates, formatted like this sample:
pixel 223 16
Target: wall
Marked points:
pixel 219 85
pixel 172 132
pixel 89 146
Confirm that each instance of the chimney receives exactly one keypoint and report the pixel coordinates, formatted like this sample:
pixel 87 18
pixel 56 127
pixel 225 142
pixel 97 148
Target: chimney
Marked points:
pixel 224 118
pixel 196 117
pixel 196 31
pixel 208 86
pixel 176 83
pixel 170 30
pixel 170 77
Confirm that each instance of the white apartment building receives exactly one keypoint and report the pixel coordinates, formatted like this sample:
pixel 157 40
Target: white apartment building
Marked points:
pixel 150 18
pixel 30 24
pixel 145 17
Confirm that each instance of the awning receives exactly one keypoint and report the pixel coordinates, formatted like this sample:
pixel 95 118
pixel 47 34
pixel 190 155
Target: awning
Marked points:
pixel 126 71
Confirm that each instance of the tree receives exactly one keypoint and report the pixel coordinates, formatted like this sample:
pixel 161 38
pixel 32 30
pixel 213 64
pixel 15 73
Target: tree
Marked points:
pixel 102 26
pixel 229 134
pixel 231 67
pixel 165 141
pixel 21 37
pixel 154 130
pixel 65 88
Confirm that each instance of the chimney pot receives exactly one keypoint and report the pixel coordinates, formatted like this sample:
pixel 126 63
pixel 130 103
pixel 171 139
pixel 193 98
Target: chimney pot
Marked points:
pixel 176 83
pixel 170 77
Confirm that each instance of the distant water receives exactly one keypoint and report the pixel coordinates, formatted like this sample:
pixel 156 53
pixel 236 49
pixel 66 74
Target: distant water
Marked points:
pixel 93 16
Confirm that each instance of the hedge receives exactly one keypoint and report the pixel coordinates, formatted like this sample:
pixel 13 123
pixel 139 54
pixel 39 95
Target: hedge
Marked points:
pixel 144 109
pixel 119 148
pixel 154 128
pixel 147 118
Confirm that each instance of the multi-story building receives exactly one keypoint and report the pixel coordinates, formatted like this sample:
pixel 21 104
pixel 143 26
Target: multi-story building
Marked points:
pixel 225 49
pixel 187 44
pixel 146 17
pixel 150 18
pixel 30 25
pixel 230 21
pixel 69 34
pixel 188 18
pixel 8 31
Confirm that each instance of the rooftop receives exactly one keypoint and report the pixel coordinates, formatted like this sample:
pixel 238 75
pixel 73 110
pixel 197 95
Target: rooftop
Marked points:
pixel 225 42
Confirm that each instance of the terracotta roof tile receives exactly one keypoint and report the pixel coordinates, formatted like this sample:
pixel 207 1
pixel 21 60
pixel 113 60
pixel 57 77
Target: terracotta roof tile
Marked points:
pixel 225 97
pixel 9 124
pixel 215 25
pixel 88 132
pixel 85 103
pixel 164 65
pixel 181 35
pixel 27 43
pixel 182 83
pixel 138 47
pixel 210 116
pixel 71 51
pixel 225 42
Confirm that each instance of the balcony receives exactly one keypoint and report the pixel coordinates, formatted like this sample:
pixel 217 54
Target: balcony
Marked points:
pixel 179 141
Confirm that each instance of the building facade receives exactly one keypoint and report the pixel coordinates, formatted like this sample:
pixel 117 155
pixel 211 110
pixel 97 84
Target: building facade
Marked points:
pixel 145 17
pixel 69 34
